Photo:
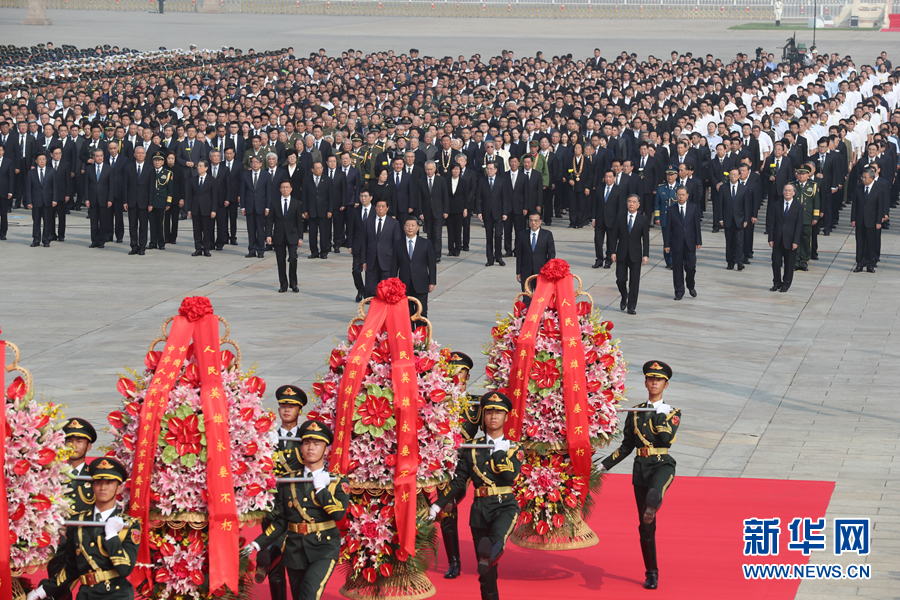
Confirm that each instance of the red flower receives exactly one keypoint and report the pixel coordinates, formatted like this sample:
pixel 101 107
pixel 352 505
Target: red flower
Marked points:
pixel 609 395
pixel 161 576
pixel 41 502
pixel 167 549
pixel 198 577
pixel 369 573
pixel 152 359
pixel 133 409
pixel 555 269
pixel 531 431
pixel 401 554
pixel 256 385
pixel 558 520
pixel 128 441
pixel 583 308
pixel 115 419
pixel 266 464
pixel 607 325
pixel 438 395
pixel 336 360
pixel 391 291
pixel 495 333
pixel 443 427
pixel 21 467
pixel 601 338
pixel 375 411
pixel 254 489
pixel 545 374
pixel 324 389
pixel 390 460
pixel 191 375
pixel 226 357
pixel 195 308
pixel 246 413
pixel 607 360
pixel 263 423
pixel 353 545
pixel 542 527
pixel 17 389
pixel 18 513
pixel 126 387
pixel 594 385
pixel 590 357
pixel 424 364
pixel 525 470
pixel 550 329
pixel 519 308
pixel 525 518
pixel 185 435
pixel 353 332
pixel 571 501
pixel 490 371
pixel 239 469
pixel 251 449
pixel 46 456
pixel 386 569
pixel 356 510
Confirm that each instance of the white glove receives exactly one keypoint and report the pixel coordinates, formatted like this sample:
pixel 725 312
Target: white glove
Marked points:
pixel 249 549
pixel 37 593
pixel 113 526
pixel 663 409
pixel 501 446
pixel 433 512
pixel 321 479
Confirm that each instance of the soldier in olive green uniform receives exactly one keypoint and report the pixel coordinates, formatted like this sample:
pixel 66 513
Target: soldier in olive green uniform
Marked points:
pixel 808 193
pixel 461 364
pixel 100 557
pixel 492 471
pixel 303 520
pixel 650 434
pixel 665 197
pixel 161 201
pixel 291 400
pixel 367 165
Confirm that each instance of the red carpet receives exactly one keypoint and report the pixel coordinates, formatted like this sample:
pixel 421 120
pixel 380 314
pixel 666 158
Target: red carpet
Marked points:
pixel 699 540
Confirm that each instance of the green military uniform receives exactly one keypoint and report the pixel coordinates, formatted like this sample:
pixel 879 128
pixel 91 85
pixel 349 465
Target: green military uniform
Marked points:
pixel 303 524
pixel 665 197
pixel 650 434
pixel 250 153
pixel 495 509
pixel 367 168
pixel 287 460
pixel 102 565
pixel 808 194
pixel 539 164
pixel 162 199
pixel 461 365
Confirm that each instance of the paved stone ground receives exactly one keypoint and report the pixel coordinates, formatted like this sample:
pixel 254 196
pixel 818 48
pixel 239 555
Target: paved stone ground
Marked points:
pixel 789 386
pixel 438 37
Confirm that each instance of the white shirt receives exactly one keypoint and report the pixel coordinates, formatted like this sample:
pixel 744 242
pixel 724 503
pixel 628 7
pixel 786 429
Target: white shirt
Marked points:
pixel 102 516
pixel 411 240
pixel 287 432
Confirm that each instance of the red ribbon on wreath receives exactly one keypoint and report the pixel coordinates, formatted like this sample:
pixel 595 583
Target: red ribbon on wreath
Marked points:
pixel 554 281
pixel 389 310
pixel 5 570
pixel 195 320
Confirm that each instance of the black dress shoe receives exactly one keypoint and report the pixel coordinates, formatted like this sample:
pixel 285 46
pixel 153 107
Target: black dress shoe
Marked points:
pixel 679 297
pixel 60 239
pixel 133 252
pixel 35 244
pixel 337 249
pixel 652 580
pixel 730 268
pixel 669 267
pixel 295 289
pixel 623 304
pixel 508 253
pixel 489 263
pixel 438 259
pixel 53 238
pixel 218 248
pixel 206 253
pixel 119 241
pixel 802 269
pixel 597 264
pixel 857 269
pixel 775 287
pixel 140 252
pixel 313 256
pixel 740 267
pixel 827 232
pixel 323 256
pixel 250 255
pixel 2 238
pixel 173 242
pixel 233 242
pixel 501 262
pixel 454 570
pixel 46 244
pixel 870 269
pixel 607 264
pixel 93 245
pixel 197 253
pixel 282 289
pixel 784 288
pixel 162 247
pixel 359 297
pixel 693 293
pixel 464 249
pixel 260 255
pixel 101 245
pixel 631 311
pixel 746 260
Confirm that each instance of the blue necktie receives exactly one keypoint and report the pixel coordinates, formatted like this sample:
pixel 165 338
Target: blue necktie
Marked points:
pixel 630 222
pixel 410 249
pixel 787 206
pixel 98 174
pixel 606 196
pixel 533 241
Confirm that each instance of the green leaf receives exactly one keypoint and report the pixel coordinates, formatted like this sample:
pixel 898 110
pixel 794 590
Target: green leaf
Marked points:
pixel 183 411
pixel 169 455
pixel 189 460
pixel 202 456
pixel 359 428
pixel 201 426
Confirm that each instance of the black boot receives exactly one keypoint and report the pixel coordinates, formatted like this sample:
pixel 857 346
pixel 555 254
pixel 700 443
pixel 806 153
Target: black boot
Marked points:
pixel 652 505
pixel 648 550
pixel 450 533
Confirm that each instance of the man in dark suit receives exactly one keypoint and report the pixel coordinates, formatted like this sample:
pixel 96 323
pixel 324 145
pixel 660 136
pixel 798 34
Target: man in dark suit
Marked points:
pixel 117 190
pixel 97 198
pixel 284 232
pixel 63 185
pixel 732 211
pixel 218 174
pixel 40 200
pixel 233 172
pixel 492 203
pixel 433 201
pixel 869 207
pixel 318 207
pixel 406 190
pixel 470 176
pixel 7 189
pixel 416 264
pixel 609 203
pixel 203 202
pixel 830 173
pixel 751 183
pixel 649 171
pixel 26 150
pixel 254 200
pixel 339 201
pixel 682 229
pixel 360 215
pixel 353 178
pixel 777 172
pixel 534 248
pixel 718 169
pixel 140 185
pixel 380 237
pixel 631 241
pixel 784 238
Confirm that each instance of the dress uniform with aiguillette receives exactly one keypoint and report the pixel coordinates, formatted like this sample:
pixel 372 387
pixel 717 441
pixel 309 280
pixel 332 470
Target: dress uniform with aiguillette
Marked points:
pixel 304 518
pixel 162 199
pixel 665 197
pixel 80 494
pixel 808 193
pixel 495 509
pixel 460 364
pixel 650 434
pixel 287 460
pixel 100 562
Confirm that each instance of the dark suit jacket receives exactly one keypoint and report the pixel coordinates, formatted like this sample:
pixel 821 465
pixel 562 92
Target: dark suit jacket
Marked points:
pixel 526 195
pixel 69 152
pixel 139 191
pixel 380 250
pixel 786 230
pixel 285 229
pixel 201 201
pixel 834 172
pixel 783 175
pixel 256 200
pixel 733 212
pixel 755 191
pixel 496 202
pixel 434 204
pixel 318 201
pixel 606 211
pixel 530 262
pixel 234 180
pixel 464 198
pixel 339 191
pixel 222 181
pixel 40 196
pixel 117 183
pixel 97 191
pixel 353 179
pixel 405 194
pixel 7 177
pixel 683 234
pixel 87 152
pixel 869 211
pixel 360 229
pixel 418 272
pixel 631 247
pixel 653 175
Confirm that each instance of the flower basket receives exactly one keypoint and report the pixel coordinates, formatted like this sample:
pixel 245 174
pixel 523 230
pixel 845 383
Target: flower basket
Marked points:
pixel 567 399
pixel 379 559
pixel 204 409
pixel 34 454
